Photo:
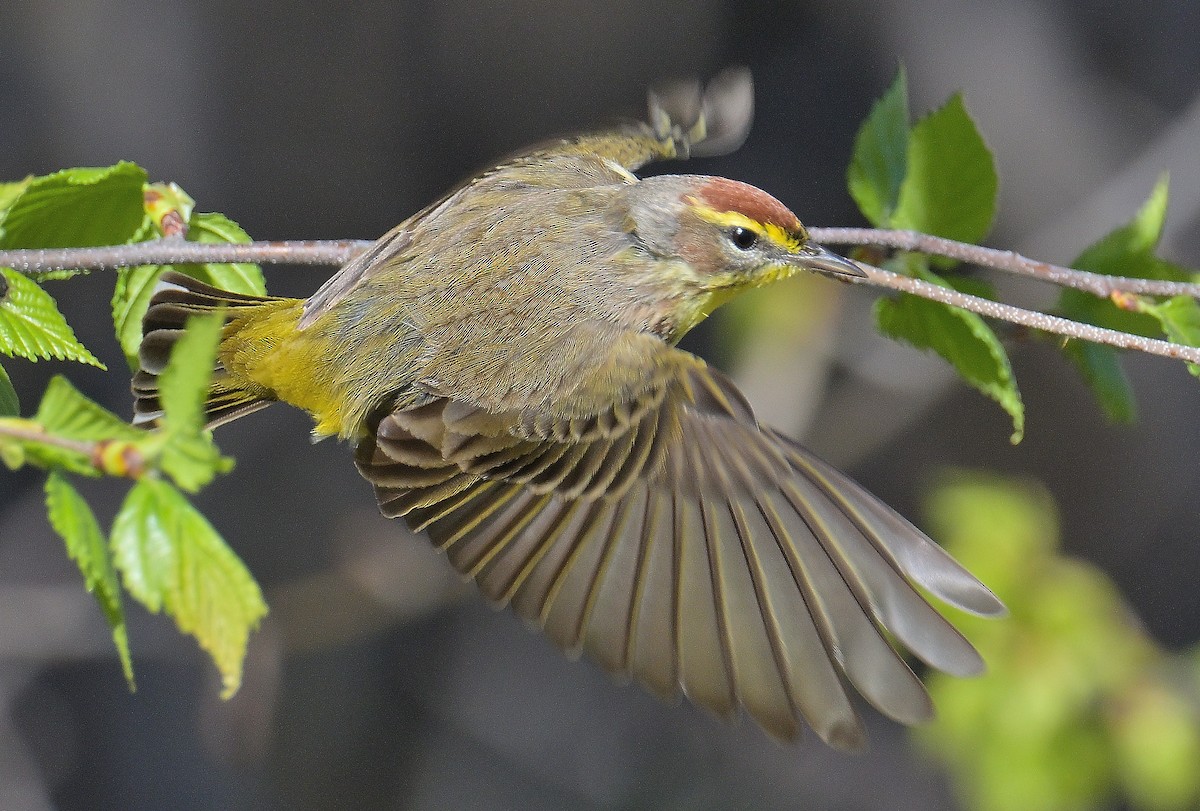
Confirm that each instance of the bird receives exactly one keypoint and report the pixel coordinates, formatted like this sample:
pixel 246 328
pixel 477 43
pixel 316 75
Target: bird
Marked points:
pixel 504 363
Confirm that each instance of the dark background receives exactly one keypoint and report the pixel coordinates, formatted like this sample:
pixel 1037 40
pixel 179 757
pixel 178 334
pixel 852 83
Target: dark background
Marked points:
pixel 378 681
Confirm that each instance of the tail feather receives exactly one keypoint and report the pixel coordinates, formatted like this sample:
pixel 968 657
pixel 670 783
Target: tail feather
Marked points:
pixel 178 298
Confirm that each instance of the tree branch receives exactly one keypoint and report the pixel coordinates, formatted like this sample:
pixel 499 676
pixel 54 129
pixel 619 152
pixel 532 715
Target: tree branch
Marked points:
pixel 1029 318
pixel 20 430
pixel 180 252
pixel 1095 283
pixel 329 252
pixel 109 457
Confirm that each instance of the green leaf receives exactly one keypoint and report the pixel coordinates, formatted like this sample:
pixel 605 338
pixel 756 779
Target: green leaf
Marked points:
pixel 880 162
pixel 73 520
pixel 66 412
pixel 950 187
pixel 10 406
pixel 212 228
pixel 963 339
pixel 188 452
pixel 1101 369
pixel 183 385
pixel 76 208
pixel 131 297
pixel 32 327
pixel 172 559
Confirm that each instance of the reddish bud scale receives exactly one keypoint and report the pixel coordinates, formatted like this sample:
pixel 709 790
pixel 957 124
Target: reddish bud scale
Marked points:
pixel 169 220
pixel 116 458
pixel 1130 302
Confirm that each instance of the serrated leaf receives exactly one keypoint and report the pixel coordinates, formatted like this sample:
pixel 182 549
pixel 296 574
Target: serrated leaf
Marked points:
pixel 32 327
pixel 188 452
pixel 73 520
pixel 192 460
pixel 880 159
pixel 1101 370
pixel 66 412
pixel 172 559
pixel 10 406
pixel 183 385
pixel 963 339
pixel 213 228
pixel 76 208
pixel 949 188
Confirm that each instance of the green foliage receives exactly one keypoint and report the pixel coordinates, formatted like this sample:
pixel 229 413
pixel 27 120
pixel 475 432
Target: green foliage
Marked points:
pixel 11 191
pixel 1179 318
pixel 73 208
pixel 73 520
pixel 950 186
pixel 171 558
pixel 10 406
pixel 215 228
pixel 1128 251
pixel 32 327
pixel 937 176
pixel 131 297
pixel 1078 704
pixel 1101 368
pixel 880 160
pixel 66 412
pixel 962 338
pixel 188 453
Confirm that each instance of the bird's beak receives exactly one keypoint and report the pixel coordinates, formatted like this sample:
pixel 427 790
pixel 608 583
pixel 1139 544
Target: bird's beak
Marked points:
pixel 815 258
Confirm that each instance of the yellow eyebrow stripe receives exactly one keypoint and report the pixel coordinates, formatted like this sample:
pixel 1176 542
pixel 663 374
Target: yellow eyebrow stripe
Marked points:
pixel 730 219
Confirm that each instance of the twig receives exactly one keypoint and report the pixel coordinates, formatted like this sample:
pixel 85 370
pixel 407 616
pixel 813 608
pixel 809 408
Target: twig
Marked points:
pixel 1094 283
pixel 174 251
pixel 27 431
pixel 1029 318
pixel 112 457
pixel 179 252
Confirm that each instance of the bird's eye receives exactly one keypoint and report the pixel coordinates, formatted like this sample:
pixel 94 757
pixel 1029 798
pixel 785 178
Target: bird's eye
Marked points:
pixel 743 238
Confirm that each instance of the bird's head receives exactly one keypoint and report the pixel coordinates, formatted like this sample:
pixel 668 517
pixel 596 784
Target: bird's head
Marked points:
pixel 716 237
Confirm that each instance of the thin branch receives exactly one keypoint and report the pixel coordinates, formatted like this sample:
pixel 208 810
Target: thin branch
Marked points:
pixel 27 431
pixel 1095 283
pixel 112 457
pixel 180 252
pixel 175 251
pixel 1029 318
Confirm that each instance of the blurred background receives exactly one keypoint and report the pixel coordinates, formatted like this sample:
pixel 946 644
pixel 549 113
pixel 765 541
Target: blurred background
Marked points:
pixel 380 681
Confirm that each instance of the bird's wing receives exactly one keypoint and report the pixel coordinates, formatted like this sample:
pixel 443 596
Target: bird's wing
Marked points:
pixel 679 543
pixel 683 119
